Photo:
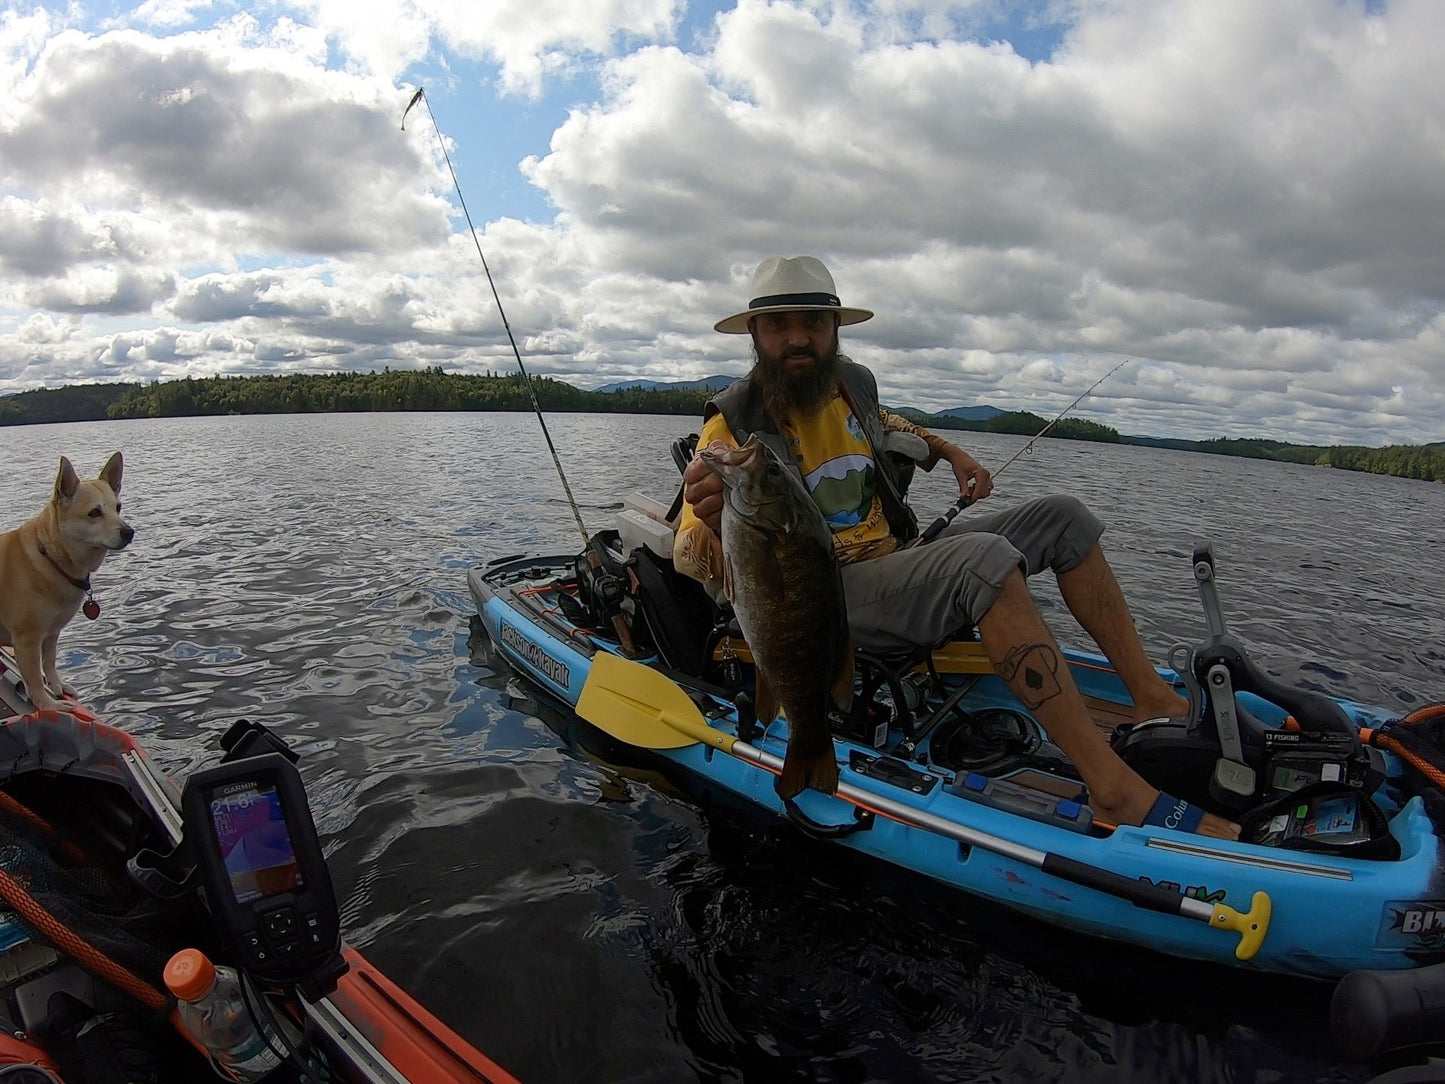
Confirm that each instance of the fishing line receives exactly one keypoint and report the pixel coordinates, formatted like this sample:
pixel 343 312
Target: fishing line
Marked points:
pixel 420 96
pixel 609 587
pixel 963 502
pixel 1060 416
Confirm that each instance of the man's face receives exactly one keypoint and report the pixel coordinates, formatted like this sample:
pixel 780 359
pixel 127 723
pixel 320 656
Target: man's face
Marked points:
pixel 797 358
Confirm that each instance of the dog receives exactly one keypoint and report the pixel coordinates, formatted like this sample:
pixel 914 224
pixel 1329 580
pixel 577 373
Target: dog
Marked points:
pixel 45 569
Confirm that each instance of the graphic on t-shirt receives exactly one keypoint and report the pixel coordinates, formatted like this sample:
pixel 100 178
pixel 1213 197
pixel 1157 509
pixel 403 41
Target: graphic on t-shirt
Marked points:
pixel 843 488
pixel 836 461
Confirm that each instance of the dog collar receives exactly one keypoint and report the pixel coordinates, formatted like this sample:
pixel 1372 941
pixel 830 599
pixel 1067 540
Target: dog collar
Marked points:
pixel 91 609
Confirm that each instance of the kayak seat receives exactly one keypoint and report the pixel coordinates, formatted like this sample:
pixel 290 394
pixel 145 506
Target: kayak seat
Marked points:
pixel 684 623
pixel 683 449
pixel 910 682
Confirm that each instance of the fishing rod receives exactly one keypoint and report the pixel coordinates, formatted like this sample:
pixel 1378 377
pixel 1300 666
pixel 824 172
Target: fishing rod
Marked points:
pixel 963 502
pixel 607 585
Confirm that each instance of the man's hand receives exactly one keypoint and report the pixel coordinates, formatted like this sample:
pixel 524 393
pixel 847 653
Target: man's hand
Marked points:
pixel 970 473
pixel 703 489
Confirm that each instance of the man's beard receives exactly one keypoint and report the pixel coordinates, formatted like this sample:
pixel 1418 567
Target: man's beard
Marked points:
pixel 785 391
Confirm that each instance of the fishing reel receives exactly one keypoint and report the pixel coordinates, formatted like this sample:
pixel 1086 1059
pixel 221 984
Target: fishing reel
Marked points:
pixel 1222 756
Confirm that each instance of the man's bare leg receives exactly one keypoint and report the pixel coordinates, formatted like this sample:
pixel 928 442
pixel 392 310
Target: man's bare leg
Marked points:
pixel 1097 602
pixel 1028 659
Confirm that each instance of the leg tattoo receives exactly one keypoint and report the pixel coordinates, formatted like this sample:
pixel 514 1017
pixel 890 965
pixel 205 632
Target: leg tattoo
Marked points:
pixel 1031 671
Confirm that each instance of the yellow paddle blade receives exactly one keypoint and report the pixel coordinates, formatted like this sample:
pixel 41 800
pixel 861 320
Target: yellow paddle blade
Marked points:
pixel 637 705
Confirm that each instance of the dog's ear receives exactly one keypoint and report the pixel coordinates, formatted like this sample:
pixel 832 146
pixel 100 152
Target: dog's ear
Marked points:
pixel 110 473
pixel 66 481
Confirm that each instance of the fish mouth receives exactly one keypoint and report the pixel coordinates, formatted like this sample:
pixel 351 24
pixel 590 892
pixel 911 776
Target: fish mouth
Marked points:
pixel 721 453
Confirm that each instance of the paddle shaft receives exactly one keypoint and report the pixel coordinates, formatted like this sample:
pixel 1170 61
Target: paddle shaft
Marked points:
pixel 636 704
pixel 1139 893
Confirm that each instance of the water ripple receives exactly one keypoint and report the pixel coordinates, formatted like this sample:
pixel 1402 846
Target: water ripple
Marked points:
pixel 559 901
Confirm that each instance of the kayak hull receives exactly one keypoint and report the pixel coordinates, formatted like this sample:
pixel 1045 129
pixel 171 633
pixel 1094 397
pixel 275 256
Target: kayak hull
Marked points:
pixel 1330 915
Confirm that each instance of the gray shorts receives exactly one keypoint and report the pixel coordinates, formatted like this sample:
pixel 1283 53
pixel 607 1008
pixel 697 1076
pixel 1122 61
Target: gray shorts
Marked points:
pixel 923 594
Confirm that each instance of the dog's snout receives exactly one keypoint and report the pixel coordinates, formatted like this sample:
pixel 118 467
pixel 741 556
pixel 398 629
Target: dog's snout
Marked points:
pixel 127 532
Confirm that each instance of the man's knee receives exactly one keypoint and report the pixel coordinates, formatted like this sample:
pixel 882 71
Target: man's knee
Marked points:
pixel 1069 511
pixel 1075 530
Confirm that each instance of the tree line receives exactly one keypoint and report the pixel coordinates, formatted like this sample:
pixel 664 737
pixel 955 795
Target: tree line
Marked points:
pixel 437 390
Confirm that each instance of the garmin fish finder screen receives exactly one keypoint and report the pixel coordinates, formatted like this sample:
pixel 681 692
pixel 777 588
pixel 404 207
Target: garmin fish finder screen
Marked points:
pixel 255 842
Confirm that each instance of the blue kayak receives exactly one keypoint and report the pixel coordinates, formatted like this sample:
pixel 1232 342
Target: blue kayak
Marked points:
pixel 943 772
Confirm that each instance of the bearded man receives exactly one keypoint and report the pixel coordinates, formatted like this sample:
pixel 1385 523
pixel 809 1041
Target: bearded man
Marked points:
pixel 819 413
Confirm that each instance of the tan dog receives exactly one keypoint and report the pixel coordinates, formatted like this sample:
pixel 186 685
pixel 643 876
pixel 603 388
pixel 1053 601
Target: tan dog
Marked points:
pixel 45 568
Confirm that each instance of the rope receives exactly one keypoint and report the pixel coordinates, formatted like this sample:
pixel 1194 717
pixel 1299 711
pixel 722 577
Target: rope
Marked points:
pixel 81 950
pixel 1410 745
pixel 28 816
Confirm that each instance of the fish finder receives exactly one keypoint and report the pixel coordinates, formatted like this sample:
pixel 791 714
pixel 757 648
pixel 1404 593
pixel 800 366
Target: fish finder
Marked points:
pixel 256 850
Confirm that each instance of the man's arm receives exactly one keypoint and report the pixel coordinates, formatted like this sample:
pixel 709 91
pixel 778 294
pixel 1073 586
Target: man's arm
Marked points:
pixel 966 469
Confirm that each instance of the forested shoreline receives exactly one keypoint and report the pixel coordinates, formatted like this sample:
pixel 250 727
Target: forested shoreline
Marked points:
pixel 435 389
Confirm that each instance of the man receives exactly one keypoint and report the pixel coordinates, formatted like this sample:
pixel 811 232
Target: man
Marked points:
pixel 819 411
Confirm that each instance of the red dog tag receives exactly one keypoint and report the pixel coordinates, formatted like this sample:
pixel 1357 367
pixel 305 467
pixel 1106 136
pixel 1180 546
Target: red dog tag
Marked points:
pixel 91 609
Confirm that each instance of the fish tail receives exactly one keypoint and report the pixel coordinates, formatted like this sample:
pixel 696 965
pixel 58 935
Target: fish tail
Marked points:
pixel 804 768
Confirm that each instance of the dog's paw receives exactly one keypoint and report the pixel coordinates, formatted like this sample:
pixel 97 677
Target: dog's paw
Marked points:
pixel 45 702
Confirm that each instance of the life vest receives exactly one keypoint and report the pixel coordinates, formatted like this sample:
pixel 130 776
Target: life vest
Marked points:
pixel 742 408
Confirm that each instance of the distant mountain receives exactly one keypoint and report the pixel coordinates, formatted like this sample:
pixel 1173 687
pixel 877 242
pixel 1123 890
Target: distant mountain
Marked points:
pixel 970 413
pixel 711 383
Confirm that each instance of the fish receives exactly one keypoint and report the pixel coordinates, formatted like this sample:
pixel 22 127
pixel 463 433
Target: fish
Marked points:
pixel 780 573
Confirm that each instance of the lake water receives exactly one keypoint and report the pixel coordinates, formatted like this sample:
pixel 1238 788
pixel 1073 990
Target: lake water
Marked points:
pixel 572 914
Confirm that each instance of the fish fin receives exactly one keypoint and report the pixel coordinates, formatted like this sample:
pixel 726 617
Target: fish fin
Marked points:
pixel 808 767
pixel 765 701
pixel 728 580
pixel 842 689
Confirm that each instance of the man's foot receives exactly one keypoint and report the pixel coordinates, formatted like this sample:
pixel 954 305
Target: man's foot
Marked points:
pixel 1139 803
pixel 1166 704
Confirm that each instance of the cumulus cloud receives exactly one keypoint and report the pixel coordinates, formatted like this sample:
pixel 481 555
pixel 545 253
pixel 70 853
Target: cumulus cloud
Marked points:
pixel 1244 198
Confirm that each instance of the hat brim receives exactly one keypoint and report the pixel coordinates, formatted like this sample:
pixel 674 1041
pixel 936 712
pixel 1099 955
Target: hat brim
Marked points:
pixel 737 323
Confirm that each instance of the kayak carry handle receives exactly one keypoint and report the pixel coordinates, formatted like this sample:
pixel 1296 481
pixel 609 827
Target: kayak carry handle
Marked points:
pixel 1251 926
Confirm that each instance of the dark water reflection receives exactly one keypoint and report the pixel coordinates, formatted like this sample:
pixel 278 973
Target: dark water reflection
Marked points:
pixel 565 907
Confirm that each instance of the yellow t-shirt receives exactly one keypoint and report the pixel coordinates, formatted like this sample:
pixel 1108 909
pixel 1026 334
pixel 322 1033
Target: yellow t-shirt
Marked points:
pixel 836 462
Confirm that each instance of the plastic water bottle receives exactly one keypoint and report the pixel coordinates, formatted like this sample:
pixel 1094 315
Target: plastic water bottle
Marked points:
pixel 213 1008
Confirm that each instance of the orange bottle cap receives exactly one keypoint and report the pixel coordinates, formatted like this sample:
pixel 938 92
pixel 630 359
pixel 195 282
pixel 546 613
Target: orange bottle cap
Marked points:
pixel 189 974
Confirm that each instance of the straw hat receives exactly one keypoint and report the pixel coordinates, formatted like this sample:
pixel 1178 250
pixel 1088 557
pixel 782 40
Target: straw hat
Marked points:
pixel 788 284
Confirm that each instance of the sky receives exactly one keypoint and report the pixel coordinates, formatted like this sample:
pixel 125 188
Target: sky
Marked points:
pixel 1245 199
